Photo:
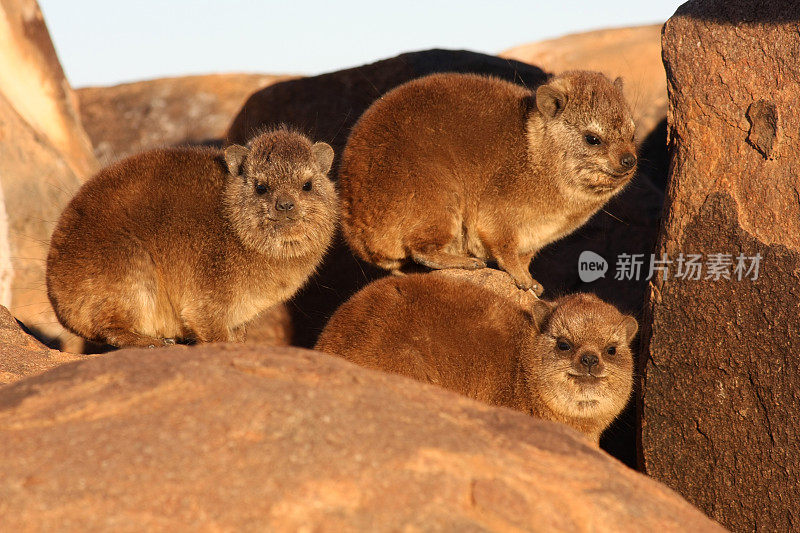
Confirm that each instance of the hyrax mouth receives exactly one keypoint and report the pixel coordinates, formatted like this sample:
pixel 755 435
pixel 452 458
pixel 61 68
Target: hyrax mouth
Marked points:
pixel 586 379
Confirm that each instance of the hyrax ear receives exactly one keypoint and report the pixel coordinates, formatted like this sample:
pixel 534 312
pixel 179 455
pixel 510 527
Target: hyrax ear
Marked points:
pixel 618 83
pixel 234 157
pixel 323 154
pixel 540 312
pixel 550 100
pixel 631 327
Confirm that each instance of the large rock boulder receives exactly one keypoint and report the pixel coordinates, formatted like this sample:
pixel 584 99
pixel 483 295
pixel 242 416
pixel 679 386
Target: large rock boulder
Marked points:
pixel 33 84
pixel 721 395
pixel 21 355
pixel 126 119
pixel 44 157
pixel 633 53
pixel 232 438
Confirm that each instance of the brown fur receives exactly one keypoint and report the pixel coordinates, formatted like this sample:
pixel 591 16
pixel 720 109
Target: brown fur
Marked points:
pixel 463 337
pixel 178 243
pixel 454 169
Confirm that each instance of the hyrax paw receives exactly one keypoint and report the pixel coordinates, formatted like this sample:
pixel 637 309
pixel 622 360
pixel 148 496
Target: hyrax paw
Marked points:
pixel 526 283
pixel 473 263
pixel 536 288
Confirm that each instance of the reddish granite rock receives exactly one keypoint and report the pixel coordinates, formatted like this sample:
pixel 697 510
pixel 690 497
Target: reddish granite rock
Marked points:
pixel 239 438
pixel 21 355
pixel 721 395
pixel 126 119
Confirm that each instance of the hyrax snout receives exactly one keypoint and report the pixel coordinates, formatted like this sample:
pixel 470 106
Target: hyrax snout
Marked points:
pixel 452 170
pixel 568 360
pixel 192 243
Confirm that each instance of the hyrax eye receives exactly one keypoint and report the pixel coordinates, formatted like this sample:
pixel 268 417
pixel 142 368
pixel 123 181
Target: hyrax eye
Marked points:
pixel 592 139
pixel 563 345
pixel 261 188
pixel 307 186
pixel 611 350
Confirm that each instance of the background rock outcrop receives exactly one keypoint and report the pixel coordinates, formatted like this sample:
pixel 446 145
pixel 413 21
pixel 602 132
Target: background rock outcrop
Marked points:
pixel 44 157
pixel 228 437
pixel 33 84
pixel 132 117
pixel 721 396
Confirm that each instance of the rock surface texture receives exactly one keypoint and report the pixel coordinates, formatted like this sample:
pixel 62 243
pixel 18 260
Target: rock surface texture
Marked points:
pixel 233 438
pixel 21 355
pixel 44 157
pixel 721 396
pixel 126 119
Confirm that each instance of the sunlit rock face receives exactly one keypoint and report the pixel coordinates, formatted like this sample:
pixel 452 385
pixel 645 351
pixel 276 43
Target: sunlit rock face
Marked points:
pixel 32 81
pixel 44 157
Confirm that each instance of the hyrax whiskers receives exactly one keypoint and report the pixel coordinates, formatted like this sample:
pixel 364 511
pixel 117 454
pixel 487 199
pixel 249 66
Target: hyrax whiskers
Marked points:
pixel 452 170
pixel 191 243
pixel 567 361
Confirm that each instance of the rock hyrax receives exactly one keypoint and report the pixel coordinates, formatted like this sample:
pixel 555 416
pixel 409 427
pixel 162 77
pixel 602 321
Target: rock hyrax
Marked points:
pixel 451 170
pixel 191 243
pixel 567 361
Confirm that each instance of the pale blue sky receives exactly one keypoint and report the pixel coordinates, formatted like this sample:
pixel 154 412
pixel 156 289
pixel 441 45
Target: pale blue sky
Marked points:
pixel 103 42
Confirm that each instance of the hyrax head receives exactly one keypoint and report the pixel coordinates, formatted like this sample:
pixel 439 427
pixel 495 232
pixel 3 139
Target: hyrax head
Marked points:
pixel 278 197
pixel 582 356
pixel 587 116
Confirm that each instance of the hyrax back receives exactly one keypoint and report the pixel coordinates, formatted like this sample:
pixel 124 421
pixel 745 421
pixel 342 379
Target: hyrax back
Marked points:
pixel 451 170
pixel 191 243
pixel 464 337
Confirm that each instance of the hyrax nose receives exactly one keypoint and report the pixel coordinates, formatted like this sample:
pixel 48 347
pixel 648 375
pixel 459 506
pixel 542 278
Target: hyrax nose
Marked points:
pixel 589 360
pixel 627 161
pixel 284 204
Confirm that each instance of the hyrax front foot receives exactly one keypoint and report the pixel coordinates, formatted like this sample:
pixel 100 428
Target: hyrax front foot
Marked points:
pixel 162 343
pixel 438 260
pixel 525 282
pixel 537 289
pixel 123 338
